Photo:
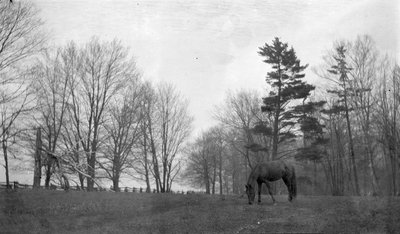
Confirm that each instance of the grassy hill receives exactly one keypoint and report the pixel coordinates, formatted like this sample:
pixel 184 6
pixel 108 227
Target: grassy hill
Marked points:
pixel 28 211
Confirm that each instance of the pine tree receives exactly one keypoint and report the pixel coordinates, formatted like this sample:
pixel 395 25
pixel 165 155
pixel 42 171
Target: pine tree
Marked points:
pixel 310 126
pixel 313 136
pixel 286 82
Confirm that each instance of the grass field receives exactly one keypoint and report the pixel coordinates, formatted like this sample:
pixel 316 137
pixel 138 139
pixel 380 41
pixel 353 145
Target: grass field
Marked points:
pixel 28 211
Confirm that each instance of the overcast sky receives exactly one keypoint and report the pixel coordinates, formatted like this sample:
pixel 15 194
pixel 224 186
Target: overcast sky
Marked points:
pixel 208 47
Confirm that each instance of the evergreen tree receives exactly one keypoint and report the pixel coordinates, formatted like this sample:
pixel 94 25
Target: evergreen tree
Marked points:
pixel 286 82
pixel 309 124
pixel 313 149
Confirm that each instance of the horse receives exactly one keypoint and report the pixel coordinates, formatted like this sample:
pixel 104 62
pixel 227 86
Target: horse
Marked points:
pixel 269 172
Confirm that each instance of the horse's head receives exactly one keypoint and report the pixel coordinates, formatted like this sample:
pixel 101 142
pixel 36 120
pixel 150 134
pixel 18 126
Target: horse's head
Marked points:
pixel 251 193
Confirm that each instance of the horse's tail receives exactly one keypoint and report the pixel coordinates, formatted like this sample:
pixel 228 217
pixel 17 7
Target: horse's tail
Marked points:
pixel 293 186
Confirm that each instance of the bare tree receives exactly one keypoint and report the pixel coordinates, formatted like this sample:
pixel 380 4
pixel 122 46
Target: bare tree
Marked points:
pixel 123 131
pixel 247 134
pixel 21 39
pixel 51 89
pixel 105 68
pixel 388 100
pixel 144 165
pixel 218 136
pixel 73 153
pixel 337 70
pixel 168 127
pixel 200 158
pixel 241 112
pixel 363 57
pixel 334 160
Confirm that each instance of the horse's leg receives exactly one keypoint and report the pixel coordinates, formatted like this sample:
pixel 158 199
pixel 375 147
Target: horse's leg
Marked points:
pixel 270 192
pixel 288 185
pixel 259 191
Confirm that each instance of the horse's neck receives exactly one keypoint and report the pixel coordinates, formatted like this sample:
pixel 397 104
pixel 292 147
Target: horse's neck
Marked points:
pixel 252 178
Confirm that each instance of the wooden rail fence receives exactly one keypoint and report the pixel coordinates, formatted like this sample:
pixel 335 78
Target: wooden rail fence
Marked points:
pixel 17 185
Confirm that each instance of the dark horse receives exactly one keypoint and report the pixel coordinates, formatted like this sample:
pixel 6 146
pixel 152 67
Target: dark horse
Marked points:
pixel 268 172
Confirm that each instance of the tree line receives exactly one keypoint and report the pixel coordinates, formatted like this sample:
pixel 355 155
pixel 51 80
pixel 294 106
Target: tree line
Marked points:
pixel 342 136
pixel 83 111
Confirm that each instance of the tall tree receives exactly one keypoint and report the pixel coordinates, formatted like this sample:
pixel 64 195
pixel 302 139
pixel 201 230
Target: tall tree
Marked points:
pixel 51 89
pixel 71 59
pixel 240 113
pixel 38 160
pixel 168 127
pixel 335 157
pixel 218 136
pixel 144 166
pixel 286 82
pixel 105 67
pixel 388 100
pixel 198 169
pixel 204 158
pixel 246 134
pixel 340 70
pixel 363 58
pixel 123 130
pixel 21 39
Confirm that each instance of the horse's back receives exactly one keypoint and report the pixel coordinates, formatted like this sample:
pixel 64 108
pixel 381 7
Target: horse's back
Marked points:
pixel 272 170
pixel 275 164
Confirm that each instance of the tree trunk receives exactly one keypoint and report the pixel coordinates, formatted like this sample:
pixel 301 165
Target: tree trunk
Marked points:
pixel 6 160
pixel 91 171
pixel 154 158
pixel 49 165
pixel 275 140
pixel 351 145
pixel 275 137
pixel 116 183
pixel 206 179
pixel 214 175
pixel 394 130
pixel 164 177
pixel 374 178
pixel 82 181
pixel 146 167
pixel 220 173
pixel 338 169
pixel 315 178
pixel 234 190
pixel 37 175
pixel 48 174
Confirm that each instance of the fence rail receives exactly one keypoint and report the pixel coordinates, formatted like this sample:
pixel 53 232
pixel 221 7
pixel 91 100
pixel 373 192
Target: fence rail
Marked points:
pixel 17 185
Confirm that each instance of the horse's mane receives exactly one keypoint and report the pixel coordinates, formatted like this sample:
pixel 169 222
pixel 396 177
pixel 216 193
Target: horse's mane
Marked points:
pixel 251 180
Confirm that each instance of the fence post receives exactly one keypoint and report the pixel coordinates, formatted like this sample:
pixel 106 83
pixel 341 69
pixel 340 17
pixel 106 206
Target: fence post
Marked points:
pixel 16 184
